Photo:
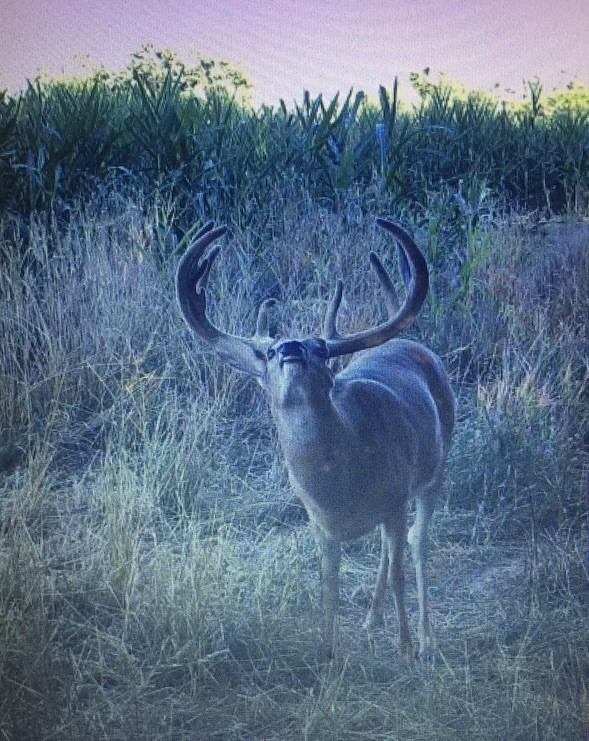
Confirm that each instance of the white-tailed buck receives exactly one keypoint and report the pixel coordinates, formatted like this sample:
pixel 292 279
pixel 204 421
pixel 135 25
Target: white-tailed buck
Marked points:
pixel 360 443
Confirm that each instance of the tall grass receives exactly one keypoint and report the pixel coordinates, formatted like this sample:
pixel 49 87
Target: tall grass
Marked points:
pixel 156 578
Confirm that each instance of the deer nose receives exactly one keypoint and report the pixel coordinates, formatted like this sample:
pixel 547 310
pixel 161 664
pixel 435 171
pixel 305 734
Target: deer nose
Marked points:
pixel 292 351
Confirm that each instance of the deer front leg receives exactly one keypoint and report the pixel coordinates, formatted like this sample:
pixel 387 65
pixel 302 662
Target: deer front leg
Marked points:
pixel 330 565
pixel 396 532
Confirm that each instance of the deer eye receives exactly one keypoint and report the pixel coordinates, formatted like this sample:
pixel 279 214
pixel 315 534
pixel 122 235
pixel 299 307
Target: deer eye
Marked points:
pixel 271 353
pixel 319 349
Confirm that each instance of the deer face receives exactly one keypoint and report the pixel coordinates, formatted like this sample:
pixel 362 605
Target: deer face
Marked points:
pixel 297 371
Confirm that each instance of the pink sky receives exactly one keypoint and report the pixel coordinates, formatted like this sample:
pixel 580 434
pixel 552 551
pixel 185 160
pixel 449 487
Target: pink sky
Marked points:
pixel 285 47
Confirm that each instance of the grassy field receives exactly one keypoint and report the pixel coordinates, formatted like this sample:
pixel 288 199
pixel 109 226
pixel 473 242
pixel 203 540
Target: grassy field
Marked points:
pixel 157 579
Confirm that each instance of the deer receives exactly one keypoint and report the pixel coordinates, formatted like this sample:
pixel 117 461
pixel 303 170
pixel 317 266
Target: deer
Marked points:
pixel 359 444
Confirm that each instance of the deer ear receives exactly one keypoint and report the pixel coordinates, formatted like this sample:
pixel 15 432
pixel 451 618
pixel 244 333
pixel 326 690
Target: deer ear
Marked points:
pixel 244 357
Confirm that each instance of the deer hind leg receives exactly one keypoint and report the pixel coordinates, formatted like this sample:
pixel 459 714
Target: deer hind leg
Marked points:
pixel 417 539
pixel 375 618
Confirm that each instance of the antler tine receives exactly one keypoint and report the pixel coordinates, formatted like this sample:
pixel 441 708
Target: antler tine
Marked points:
pixel 386 283
pixel 329 323
pixel 191 279
pixel 204 230
pixel 191 260
pixel 203 271
pixel 263 318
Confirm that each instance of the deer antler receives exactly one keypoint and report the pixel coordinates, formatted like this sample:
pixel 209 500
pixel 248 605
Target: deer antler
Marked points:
pixel 244 353
pixel 416 277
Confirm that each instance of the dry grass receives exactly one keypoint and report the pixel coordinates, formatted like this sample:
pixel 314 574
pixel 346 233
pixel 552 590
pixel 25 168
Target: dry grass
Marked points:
pixel 157 581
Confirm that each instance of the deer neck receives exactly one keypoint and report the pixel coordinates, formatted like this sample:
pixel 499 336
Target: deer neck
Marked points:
pixel 316 445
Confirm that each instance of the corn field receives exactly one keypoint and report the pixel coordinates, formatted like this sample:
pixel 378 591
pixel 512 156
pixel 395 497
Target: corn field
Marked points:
pixel 189 134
